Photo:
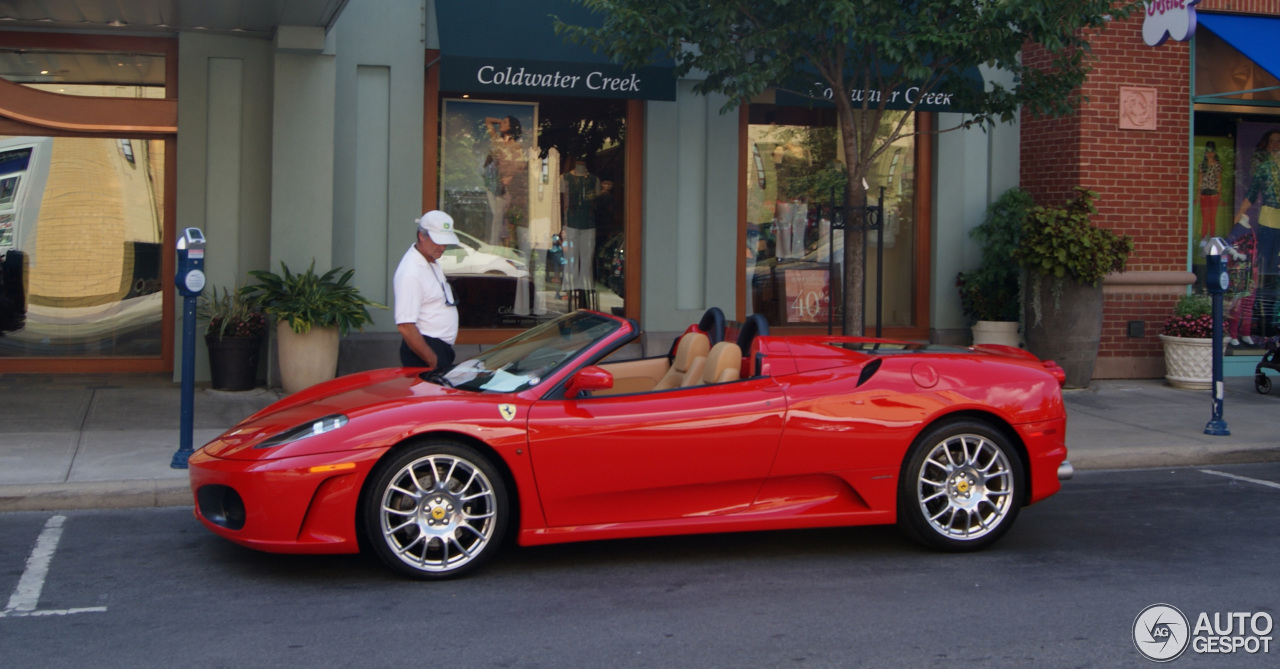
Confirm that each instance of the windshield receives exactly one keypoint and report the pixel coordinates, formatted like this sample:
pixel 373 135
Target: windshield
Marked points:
pixel 524 360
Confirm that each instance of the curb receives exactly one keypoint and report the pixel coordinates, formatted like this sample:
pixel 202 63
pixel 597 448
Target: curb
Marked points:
pixel 95 495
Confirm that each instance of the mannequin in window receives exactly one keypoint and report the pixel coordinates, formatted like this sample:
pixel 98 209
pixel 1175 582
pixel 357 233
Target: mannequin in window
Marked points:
pixel 1210 183
pixel 579 189
pixel 506 179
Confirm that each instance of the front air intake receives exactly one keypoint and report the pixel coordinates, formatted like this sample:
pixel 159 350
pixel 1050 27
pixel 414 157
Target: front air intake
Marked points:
pixel 221 505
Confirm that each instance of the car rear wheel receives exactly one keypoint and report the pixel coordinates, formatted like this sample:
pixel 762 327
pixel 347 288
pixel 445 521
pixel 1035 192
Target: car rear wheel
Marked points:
pixel 962 487
pixel 435 510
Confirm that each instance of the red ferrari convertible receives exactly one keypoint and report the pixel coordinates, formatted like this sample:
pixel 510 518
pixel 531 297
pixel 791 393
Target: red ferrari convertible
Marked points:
pixel 547 438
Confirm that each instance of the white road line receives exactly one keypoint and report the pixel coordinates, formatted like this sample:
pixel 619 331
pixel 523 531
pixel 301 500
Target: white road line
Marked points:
pixel 27 595
pixel 1269 484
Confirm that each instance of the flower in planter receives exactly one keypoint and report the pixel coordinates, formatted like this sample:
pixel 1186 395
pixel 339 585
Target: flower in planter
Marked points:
pixel 1192 317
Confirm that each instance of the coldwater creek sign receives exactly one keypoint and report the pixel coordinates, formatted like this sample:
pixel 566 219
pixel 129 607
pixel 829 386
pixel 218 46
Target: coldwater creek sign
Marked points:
pixel 577 79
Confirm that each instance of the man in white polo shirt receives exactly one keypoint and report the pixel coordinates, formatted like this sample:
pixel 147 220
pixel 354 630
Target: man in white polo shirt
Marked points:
pixel 426 314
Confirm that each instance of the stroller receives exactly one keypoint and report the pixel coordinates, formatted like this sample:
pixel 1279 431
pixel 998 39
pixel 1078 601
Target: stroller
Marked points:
pixel 1270 360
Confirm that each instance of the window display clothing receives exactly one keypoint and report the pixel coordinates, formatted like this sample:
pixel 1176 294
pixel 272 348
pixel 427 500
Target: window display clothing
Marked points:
pixel 1239 316
pixel 1264 191
pixel 789 227
pixel 1210 185
pixel 580 190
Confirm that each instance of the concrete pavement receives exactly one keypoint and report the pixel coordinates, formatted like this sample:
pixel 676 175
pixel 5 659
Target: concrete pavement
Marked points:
pixel 107 440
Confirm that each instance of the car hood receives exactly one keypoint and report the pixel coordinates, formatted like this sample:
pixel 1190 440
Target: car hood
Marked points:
pixel 362 398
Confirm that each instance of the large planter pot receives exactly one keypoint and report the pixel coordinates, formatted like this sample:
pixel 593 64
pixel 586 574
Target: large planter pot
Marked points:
pixel 996 332
pixel 1064 324
pixel 1188 362
pixel 233 361
pixel 306 359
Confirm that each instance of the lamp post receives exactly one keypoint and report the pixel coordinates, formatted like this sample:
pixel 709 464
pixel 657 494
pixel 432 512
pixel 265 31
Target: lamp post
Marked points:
pixel 1217 281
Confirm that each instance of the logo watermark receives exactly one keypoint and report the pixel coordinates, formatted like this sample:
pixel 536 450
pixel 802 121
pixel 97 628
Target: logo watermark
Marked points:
pixel 1161 633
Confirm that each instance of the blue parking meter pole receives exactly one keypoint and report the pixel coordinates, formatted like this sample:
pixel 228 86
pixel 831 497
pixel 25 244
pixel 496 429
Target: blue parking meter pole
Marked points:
pixel 1217 281
pixel 190 282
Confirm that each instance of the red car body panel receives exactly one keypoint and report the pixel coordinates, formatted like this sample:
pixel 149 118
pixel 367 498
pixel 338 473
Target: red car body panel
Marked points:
pixel 818 439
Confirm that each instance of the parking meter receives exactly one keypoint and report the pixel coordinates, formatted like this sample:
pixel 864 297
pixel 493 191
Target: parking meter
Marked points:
pixel 1217 281
pixel 190 281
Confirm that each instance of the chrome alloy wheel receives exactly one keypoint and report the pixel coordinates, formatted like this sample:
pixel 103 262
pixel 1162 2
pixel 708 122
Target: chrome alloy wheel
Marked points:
pixel 438 513
pixel 965 487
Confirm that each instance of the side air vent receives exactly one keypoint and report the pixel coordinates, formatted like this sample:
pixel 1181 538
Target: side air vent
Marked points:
pixel 869 371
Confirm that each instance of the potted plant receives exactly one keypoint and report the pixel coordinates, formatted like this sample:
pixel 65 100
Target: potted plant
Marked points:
pixel 1188 343
pixel 311 311
pixel 1066 257
pixel 989 294
pixel 233 336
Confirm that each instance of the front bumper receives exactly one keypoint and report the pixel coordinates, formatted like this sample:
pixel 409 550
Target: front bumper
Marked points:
pixel 304 504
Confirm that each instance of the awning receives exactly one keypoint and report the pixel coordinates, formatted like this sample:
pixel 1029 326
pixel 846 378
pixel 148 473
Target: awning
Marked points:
pixel 500 46
pixel 1253 36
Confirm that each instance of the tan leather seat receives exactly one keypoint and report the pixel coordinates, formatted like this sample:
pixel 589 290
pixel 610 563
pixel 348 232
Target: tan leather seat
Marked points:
pixel 723 364
pixel 693 346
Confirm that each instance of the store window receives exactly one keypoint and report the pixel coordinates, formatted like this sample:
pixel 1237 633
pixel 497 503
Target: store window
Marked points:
pixel 794 185
pixel 81 232
pixel 536 190
pixel 84 210
pixel 1236 192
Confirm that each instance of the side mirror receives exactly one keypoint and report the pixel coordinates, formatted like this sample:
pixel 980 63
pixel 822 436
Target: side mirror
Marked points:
pixel 588 378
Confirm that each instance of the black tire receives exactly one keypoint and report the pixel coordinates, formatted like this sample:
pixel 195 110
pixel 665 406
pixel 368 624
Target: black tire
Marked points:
pixel 435 510
pixel 961 487
pixel 1263 383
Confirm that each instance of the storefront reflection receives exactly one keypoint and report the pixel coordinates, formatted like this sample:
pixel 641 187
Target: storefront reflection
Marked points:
pixel 81 233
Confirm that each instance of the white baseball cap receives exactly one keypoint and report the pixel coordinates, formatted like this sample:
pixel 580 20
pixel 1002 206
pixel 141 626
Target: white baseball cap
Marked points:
pixel 438 226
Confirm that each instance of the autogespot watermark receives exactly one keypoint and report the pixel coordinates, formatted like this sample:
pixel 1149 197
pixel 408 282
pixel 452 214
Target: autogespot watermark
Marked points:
pixel 1161 633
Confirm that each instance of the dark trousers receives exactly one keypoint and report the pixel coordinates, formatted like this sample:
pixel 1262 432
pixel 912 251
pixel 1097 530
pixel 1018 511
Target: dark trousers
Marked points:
pixel 443 351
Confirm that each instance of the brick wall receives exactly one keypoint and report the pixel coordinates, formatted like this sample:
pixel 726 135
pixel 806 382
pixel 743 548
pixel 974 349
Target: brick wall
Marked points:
pixel 1141 176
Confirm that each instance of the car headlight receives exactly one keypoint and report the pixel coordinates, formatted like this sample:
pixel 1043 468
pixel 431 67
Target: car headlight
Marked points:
pixel 315 427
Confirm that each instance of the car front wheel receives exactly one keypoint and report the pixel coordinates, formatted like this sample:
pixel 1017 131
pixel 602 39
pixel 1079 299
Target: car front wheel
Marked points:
pixel 435 510
pixel 962 487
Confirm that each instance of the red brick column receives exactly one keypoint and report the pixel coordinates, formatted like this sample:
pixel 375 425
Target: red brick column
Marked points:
pixel 1142 177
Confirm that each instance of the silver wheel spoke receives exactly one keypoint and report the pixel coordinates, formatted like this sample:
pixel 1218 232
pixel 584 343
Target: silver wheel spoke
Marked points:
pixel 407 493
pixel 405 549
pixel 397 528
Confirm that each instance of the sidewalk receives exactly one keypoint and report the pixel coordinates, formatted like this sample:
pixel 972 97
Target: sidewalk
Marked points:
pixel 106 440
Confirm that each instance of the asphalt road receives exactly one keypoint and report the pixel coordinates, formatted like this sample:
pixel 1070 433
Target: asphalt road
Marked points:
pixel 151 588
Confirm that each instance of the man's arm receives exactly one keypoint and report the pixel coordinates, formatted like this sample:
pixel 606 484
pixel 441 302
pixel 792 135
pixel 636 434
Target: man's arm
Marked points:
pixel 413 338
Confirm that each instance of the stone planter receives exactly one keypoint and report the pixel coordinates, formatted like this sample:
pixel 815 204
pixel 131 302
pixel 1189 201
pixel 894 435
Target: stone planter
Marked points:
pixel 233 361
pixel 1188 362
pixel 996 332
pixel 1064 324
pixel 306 359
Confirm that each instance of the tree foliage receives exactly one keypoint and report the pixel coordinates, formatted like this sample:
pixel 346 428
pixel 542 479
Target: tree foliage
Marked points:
pixel 740 48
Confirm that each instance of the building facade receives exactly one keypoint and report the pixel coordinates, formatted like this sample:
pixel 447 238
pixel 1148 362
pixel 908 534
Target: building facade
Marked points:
pixel 1169 139
pixel 320 131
